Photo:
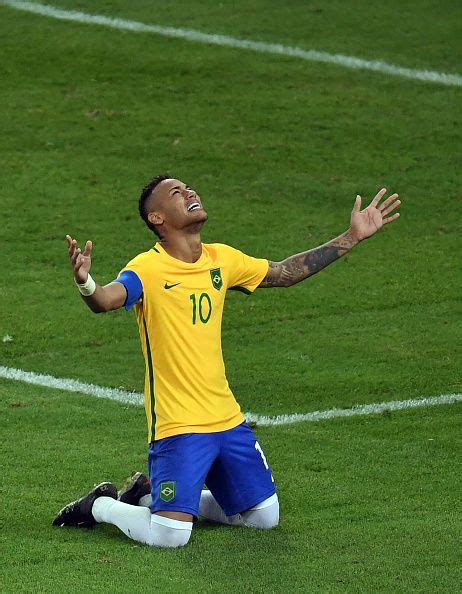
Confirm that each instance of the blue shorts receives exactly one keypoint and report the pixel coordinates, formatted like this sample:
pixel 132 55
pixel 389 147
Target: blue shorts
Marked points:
pixel 231 463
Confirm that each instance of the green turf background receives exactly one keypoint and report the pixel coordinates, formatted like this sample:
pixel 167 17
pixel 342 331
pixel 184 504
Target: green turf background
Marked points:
pixel 277 148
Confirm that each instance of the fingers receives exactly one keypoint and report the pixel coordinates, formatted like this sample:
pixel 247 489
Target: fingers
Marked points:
pixel 88 248
pixel 78 258
pixel 390 219
pixel 78 263
pixel 390 208
pixel 357 206
pixel 73 248
pixel 378 197
pixel 388 201
pixel 75 256
pixel 71 245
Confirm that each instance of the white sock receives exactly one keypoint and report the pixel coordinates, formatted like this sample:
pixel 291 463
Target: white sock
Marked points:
pixel 265 515
pixel 145 501
pixel 139 524
pixel 132 520
pixel 209 509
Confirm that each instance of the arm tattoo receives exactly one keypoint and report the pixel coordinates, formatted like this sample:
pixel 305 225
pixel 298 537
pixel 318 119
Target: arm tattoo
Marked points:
pixel 296 268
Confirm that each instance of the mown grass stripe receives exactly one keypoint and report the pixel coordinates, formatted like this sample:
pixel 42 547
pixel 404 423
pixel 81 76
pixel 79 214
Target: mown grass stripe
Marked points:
pixel 246 44
pixel 136 399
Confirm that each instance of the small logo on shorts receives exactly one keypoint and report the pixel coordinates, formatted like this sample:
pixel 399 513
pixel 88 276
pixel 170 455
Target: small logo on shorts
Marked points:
pixel 167 491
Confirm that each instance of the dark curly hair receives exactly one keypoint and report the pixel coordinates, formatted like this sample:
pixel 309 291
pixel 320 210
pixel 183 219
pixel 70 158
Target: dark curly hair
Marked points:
pixel 145 195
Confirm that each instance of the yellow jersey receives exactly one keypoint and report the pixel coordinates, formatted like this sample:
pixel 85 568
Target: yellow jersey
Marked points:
pixel 179 308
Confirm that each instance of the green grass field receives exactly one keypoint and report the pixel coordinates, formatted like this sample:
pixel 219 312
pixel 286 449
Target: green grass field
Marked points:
pixel 277 148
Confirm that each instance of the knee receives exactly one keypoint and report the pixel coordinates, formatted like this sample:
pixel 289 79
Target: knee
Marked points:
pixel 169 533
pixel 265 515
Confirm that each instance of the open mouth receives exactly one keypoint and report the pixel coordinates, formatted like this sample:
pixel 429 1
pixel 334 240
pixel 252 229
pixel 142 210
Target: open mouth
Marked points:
pixel 193 206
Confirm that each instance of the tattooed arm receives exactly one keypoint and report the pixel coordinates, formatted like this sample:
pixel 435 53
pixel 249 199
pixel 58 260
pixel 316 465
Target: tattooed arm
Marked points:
pixel 363 224
pixel 296 268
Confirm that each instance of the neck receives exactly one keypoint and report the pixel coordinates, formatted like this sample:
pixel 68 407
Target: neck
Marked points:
pixel 186 247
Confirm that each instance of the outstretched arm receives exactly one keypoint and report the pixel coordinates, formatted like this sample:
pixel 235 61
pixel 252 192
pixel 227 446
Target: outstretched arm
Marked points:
pixel 363 224
pixel 107 298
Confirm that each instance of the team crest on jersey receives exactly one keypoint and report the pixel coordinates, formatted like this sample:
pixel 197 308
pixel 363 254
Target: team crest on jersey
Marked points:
pixel 217 281
pixel 167 491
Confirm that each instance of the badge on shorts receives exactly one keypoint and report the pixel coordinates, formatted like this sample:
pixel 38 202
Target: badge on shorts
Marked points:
pixel 167 491
pixel 217 281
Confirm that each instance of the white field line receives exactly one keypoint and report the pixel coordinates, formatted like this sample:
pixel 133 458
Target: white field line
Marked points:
pixel 136 399
pixel 358 409
pixel 71 385
pixel 246 44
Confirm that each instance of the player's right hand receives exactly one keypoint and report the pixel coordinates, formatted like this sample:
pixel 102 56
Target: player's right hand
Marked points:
pixel 80 262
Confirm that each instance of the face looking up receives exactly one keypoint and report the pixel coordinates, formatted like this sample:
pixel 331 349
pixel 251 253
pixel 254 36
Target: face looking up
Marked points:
pixel 174 205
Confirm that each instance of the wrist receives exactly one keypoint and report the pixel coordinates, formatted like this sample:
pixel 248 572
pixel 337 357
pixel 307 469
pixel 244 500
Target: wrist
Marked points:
pixel 352 237
pixel 87 288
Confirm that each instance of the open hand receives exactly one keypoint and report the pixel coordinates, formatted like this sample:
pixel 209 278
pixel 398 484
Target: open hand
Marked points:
pixel 80 262
pixel 365 223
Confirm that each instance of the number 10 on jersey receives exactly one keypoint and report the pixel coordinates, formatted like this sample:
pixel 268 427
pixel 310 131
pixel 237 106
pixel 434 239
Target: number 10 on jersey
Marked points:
pixel 201 305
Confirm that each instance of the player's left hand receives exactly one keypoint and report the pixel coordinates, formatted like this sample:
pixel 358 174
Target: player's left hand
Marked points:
pixel 365 223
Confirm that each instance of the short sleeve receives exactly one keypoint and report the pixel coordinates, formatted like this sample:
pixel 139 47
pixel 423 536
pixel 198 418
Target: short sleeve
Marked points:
pixel 132 283
pixel 246 272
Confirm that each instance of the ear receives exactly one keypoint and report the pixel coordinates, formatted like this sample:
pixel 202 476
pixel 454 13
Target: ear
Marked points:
pixel 155 218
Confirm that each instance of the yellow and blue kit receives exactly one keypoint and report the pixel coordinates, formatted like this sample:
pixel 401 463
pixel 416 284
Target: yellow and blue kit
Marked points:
pixel 179 308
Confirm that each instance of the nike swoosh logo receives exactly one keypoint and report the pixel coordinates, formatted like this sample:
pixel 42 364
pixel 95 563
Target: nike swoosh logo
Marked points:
pixel 167 286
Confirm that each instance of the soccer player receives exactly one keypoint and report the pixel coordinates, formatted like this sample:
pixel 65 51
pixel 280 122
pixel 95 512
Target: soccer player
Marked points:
pixel 196 430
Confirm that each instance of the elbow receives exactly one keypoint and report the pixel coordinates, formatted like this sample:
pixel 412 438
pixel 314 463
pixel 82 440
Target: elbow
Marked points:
pixel 110 305
pixel 98 308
